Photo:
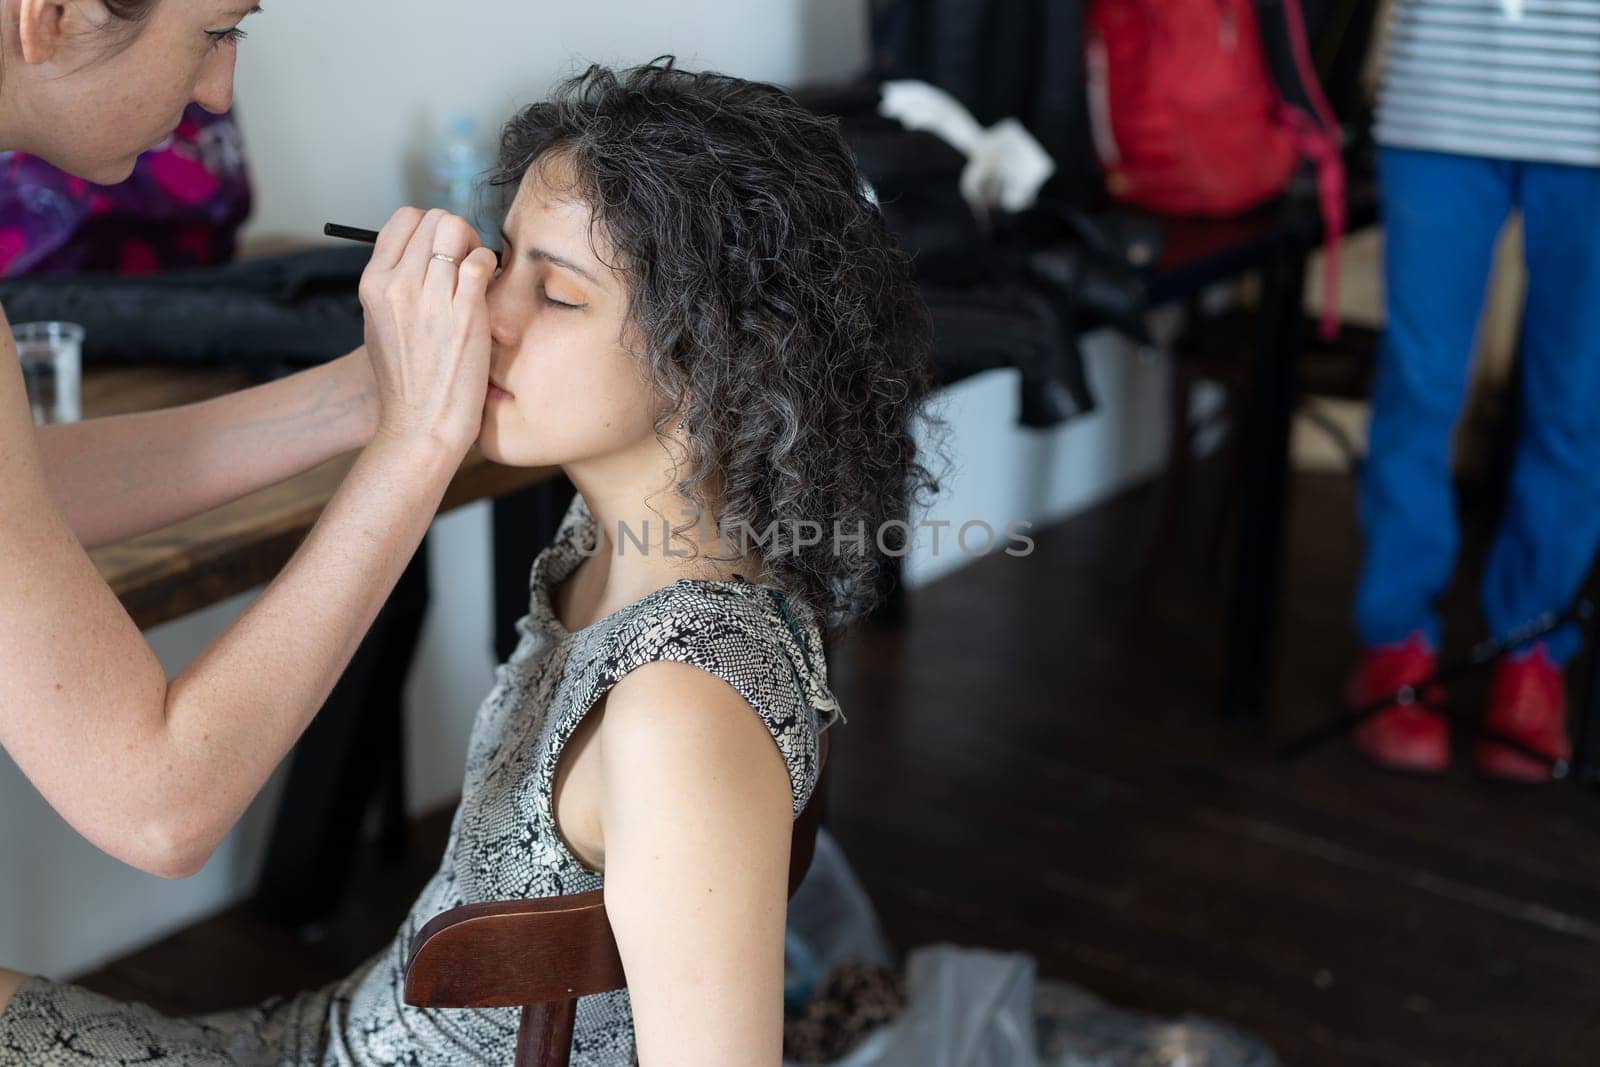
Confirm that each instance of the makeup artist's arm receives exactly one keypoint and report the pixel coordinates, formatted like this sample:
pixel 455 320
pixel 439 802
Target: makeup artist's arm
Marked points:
pixel 122 476
pixel 156 772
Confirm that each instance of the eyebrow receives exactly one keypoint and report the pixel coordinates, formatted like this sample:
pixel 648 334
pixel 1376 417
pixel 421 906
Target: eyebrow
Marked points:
pixel 547 256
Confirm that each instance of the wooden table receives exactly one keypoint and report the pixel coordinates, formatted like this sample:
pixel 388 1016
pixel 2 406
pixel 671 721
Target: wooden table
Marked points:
pixel 194 564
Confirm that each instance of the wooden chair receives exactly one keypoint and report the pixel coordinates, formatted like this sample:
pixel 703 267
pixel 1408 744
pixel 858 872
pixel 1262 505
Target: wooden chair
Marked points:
pixel 542 955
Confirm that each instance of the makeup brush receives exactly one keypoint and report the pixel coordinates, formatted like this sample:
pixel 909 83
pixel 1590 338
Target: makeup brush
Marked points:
pixel 353 233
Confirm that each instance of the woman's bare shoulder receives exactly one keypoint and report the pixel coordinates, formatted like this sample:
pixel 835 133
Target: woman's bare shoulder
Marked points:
pixel 677 743
pixel 686 722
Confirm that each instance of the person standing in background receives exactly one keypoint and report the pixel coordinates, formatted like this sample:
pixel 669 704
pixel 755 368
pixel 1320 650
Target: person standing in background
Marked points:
pixel 1485 106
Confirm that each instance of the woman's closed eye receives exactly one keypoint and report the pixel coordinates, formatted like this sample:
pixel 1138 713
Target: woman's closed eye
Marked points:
pixel 569 305
pixel 553 301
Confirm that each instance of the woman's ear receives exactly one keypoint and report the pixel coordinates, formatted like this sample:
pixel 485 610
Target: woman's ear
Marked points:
pixel 42 29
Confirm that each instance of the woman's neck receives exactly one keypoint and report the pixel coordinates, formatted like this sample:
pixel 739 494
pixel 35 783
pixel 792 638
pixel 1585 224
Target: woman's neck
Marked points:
pixel 646 544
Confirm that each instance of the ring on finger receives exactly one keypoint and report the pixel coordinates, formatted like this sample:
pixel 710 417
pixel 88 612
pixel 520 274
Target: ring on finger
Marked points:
pixel 446 259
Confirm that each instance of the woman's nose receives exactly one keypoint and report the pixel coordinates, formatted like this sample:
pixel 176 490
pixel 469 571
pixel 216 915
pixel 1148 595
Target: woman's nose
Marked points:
pixel 504 330
pixel 214 90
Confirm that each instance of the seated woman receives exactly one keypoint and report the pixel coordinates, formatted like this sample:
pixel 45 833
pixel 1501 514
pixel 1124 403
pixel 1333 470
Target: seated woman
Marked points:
pixel 702 319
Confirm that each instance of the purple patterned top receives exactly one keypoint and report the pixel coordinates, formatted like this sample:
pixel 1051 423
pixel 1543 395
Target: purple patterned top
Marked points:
pixel 182 207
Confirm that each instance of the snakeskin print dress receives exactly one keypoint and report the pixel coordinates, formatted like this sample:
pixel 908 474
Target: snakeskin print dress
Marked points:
pixel 503 842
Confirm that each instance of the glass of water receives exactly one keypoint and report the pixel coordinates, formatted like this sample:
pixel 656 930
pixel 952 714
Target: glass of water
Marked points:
pixel 52 366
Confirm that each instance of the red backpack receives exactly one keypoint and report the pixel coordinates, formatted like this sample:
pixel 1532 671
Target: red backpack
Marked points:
pixel 1188 120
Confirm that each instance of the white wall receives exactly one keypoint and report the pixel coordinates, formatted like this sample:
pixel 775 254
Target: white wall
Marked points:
pixel 339 99
pixel 336 98
pixel 1006 472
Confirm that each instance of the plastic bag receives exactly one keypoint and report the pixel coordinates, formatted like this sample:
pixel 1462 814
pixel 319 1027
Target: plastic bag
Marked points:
pixel 974 1007
pixel 969 1008
pixel 1078 1029
pixel 831 919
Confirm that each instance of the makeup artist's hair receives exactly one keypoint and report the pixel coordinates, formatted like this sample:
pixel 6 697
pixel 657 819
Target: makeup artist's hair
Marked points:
pixel 124 24
pixel 777 314
pixel 125 18
pixel 130 10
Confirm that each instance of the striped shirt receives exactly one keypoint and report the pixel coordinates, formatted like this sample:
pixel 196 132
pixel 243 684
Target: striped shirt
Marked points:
pixel 1510 79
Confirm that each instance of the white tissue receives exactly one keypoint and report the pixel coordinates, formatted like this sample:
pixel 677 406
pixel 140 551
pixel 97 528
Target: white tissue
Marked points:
pixel 1006 165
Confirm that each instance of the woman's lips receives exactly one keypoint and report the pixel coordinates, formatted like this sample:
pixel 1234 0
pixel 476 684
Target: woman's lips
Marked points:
pixel 499 392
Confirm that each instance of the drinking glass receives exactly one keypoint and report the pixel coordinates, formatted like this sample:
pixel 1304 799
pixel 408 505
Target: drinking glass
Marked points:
pixel 52 366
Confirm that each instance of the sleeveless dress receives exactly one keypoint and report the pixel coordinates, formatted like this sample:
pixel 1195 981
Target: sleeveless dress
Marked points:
pixel 503 842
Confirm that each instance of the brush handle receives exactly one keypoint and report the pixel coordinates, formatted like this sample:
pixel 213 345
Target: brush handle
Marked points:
pixel 354 233
pixel 350 233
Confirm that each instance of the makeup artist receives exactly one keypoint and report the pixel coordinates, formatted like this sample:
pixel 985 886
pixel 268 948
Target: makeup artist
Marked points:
pixel 156 771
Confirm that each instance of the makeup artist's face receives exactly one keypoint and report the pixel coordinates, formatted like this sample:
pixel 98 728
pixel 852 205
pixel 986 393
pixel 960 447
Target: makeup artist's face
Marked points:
pixel 90 108
pixel 574 386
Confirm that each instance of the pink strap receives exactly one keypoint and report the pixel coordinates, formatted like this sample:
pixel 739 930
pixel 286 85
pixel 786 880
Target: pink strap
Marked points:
pixel 1316 145
pixel 1318 140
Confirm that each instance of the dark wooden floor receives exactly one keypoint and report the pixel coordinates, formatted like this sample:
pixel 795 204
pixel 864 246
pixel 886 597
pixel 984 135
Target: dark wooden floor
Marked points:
pixel 1025 769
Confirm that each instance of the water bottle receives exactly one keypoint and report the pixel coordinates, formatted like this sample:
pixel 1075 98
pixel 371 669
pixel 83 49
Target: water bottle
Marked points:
pixel 458 166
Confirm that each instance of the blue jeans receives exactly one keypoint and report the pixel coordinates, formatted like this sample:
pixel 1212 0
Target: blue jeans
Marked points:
pixel 1441 215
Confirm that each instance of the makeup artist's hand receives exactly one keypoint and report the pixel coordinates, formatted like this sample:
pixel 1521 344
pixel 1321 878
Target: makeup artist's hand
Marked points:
pixel 427 327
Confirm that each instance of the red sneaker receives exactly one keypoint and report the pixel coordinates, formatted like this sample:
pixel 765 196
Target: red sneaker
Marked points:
pixel 1403 737
pixel 1527 701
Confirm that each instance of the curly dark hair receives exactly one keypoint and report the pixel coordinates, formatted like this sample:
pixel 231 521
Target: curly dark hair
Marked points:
pixel 778 315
